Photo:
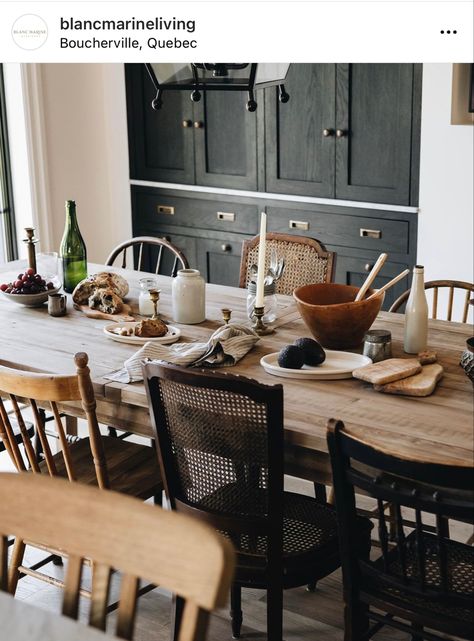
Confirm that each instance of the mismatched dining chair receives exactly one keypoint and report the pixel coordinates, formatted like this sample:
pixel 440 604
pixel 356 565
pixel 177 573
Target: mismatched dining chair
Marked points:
pixel 220 446
pixel 306 261
pixel 148 251
pixel 423 582
pixel 109 463
pixel 451 286
pixel 118 533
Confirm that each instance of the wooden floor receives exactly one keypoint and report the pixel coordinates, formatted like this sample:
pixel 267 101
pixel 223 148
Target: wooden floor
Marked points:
pixel 307 616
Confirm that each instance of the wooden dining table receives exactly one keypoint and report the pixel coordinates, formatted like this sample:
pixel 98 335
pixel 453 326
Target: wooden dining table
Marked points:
pixel 434 428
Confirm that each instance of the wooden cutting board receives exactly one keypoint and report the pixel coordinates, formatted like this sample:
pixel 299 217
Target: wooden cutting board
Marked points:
pixel 422 384
pixel 122 317
pixel 387 371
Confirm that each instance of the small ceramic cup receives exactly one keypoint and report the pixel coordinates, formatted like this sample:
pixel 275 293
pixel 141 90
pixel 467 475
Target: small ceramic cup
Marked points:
pixel 57 304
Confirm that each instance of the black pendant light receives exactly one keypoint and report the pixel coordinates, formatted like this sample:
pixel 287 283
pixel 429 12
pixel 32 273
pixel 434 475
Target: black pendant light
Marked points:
pixel 217 76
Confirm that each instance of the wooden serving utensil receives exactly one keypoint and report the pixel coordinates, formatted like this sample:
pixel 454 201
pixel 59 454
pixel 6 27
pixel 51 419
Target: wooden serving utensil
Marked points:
pixel 122 317
pixel 390 283
pixel 371 277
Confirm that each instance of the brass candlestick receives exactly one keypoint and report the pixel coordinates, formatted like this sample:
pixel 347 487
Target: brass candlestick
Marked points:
pixel 226 314
pixel 31 241
pixel 155 297
pixel 259 326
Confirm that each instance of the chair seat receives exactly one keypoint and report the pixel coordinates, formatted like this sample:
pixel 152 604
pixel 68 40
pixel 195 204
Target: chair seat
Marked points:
pixel 133 469
pixel 460 575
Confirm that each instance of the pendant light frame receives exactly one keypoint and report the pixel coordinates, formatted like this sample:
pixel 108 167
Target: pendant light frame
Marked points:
pixel 198 84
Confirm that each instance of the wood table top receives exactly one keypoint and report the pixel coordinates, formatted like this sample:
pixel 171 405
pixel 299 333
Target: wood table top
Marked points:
pixel 437 428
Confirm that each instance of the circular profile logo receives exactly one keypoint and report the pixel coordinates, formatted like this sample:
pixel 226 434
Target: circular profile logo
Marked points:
pixel 29 31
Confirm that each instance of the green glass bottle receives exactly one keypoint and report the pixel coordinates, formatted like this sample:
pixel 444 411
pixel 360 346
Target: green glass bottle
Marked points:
pixel 72 250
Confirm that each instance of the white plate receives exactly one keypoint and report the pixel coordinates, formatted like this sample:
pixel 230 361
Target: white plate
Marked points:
pixel 337 365
pixel 31 300
pixel 111 330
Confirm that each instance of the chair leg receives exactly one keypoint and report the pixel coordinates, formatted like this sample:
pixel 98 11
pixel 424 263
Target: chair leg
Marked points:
pixel 15 562
pixel 236 610
pixel 176 616
pixel 356 621
pixel 275 613
pixel 57 560
pixel 320 492
pixel 112 431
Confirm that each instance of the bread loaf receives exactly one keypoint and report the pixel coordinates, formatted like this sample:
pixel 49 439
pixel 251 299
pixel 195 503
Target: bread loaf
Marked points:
pixel 103 291
pixel 149 328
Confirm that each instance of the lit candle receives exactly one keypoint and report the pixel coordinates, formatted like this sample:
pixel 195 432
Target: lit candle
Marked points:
pixel 259 298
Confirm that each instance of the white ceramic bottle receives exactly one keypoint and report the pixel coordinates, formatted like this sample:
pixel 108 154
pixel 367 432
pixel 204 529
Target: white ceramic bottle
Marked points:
pixel 189 297
pixel 416 314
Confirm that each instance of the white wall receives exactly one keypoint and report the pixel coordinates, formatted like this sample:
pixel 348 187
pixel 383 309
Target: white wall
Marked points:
pixel 84 111
pixel 445 224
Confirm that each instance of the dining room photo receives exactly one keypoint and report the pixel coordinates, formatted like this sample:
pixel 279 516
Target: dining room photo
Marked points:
pixel 237 351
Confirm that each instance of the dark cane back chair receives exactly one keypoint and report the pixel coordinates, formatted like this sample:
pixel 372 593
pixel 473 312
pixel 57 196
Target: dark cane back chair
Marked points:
pixel 452 286
pixel 220 445
pixel 423 582
pixel 306 261
pixel 108 463
pixel 150 254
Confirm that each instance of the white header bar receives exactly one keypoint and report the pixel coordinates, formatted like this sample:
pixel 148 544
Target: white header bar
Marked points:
pixel 263 30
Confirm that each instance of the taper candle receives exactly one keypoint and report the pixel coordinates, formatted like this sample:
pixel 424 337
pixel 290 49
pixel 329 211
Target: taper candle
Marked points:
pixel 259 298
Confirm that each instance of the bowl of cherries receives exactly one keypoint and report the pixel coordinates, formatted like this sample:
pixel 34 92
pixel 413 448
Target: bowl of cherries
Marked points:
pixel 29 289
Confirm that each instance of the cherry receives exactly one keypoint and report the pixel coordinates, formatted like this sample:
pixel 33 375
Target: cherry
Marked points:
pixel 30 272
pixel 3 287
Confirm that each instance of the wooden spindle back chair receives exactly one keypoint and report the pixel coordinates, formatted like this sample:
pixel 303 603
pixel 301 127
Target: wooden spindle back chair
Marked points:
pixel 306 261
pixel 27 390
pixel 422 577
pixel 148 251
pixel 170 550
pixel 451 286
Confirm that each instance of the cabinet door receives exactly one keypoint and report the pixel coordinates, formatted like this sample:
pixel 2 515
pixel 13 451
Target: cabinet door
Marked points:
pixel 161 143
pixel 351 270
pixel 374 116
pixel 219 260
pixel 299 157
pixel 225 139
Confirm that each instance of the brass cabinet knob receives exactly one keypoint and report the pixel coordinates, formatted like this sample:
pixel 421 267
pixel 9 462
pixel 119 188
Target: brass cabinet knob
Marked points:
pixel 198 124
pixel 368 267
pixel 341 133
pixel 187 123
pixel 327 133
pixel 226 248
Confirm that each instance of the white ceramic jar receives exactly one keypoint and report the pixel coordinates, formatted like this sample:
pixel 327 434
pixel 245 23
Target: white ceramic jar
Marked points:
pixel 189 297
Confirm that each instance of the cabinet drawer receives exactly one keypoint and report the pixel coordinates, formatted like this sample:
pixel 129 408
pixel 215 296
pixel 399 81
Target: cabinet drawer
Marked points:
pixel 154 209
pixel 378 234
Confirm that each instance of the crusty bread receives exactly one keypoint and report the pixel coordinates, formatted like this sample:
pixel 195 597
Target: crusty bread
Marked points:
pixel 149 328
pixel 105 300
pixel 103 280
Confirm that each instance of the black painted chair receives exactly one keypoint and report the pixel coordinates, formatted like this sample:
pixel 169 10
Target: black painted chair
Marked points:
pixel 220 446
pixel 423 582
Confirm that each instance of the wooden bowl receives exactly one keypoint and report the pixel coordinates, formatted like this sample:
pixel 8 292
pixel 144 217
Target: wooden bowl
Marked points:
pixel 332 316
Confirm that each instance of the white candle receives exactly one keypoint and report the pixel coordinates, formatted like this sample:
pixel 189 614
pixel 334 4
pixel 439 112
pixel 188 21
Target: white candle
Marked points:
pixel 259 298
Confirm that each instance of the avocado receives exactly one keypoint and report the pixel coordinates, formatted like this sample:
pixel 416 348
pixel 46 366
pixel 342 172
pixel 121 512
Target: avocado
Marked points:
pixel 291 357
pixel 313 353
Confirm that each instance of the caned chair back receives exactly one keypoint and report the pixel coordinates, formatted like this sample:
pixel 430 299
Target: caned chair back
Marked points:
pixel 306 261
pixel 466 290
pixel 25 391
pixel 220 444
pixel 169 550
pixel 422 563
pixel 149 254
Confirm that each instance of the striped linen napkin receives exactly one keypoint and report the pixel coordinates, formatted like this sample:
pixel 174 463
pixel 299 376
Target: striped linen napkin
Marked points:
pixel 225 347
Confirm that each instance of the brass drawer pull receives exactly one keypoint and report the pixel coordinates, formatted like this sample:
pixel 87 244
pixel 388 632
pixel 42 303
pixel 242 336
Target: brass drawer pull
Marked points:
pixel 226 215
pixel 165 209
pixel 226 248
pixel 370 233
pixel 299 224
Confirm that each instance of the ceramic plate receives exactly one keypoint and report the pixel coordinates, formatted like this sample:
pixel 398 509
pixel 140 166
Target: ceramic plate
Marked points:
pixel 112 330
pixel 337 365
pixel 31 300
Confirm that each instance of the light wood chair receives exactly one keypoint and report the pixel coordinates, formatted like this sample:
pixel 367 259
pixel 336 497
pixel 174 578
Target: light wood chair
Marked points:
pixel 109 463
pixel 306 261
pixel 118 533
pixel 154 250
pixel 436 285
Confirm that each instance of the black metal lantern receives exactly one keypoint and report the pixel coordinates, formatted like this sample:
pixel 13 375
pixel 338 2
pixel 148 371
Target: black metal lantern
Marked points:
pixel 217 76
